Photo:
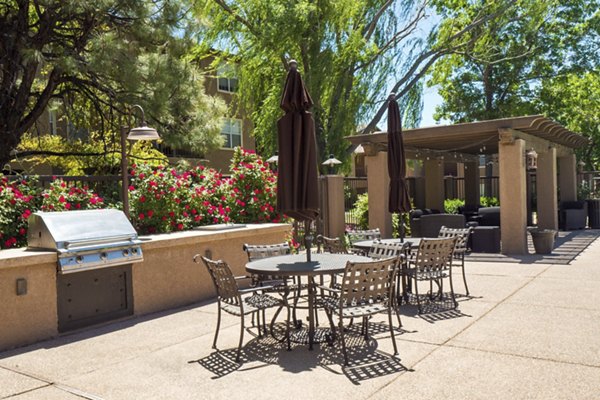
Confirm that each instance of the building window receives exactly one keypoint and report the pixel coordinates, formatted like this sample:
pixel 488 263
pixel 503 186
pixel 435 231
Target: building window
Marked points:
pixel 228 81
pixel 232 132
pixel 52 121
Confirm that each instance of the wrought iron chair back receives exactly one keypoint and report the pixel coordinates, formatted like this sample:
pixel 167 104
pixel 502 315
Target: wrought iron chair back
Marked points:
pixel 224 281
pixel 434 255
pixel 260 251
pixel 381 250
pixel 330 245
pixel 368 282
pixel 433 263
pixel 367 288
pixel 461 235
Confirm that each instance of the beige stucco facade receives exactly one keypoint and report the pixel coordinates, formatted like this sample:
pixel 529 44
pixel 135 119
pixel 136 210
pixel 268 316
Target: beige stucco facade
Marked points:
pixel 167 277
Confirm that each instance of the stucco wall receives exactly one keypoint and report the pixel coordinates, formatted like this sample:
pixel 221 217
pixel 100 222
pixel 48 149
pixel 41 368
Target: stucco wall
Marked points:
pixel 32 316
pixel 167 277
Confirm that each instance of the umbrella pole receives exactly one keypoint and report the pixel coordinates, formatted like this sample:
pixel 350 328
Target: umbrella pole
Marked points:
pixel 307 239
pixel 401 221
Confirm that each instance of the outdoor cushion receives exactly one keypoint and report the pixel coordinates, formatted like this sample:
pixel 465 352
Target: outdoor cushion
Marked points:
pixel 572 215
pixel 429 225
pixel 489 216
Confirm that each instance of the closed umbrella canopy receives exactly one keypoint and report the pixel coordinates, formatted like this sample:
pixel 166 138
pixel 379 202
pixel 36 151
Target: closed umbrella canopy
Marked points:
pixel 399 201
pixel 297 182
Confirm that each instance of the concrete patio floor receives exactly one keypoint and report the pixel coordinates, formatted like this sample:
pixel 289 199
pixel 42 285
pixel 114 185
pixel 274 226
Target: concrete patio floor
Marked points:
pixel 527 331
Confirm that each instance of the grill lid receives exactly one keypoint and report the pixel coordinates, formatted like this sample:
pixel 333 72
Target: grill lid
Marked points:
pixel 79 230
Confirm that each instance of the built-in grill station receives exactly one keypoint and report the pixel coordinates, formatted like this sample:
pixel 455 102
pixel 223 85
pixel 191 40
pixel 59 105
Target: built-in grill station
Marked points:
pixel 95 251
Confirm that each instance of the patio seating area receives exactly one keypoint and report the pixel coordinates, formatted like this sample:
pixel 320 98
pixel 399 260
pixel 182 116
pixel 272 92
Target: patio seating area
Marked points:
pixel 508 339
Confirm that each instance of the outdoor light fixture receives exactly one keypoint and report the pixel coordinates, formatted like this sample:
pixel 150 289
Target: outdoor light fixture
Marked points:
pixel 274 159
pixel 331 162
pixel 142 132
pixel 531 160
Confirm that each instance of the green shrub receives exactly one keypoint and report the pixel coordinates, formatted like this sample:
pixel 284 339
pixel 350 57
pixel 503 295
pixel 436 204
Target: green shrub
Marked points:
pixel 451 205
pixel 489 201
pixel 361 210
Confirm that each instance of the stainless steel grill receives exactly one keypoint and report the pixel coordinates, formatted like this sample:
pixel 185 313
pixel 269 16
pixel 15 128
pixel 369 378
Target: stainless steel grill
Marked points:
pixel 85 240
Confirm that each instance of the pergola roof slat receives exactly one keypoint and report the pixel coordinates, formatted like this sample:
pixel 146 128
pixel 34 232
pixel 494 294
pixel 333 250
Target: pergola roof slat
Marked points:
pixel 471 137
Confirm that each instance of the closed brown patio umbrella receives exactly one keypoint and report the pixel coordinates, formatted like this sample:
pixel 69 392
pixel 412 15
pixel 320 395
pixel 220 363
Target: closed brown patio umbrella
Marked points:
pixel 297 182
pixel 398 201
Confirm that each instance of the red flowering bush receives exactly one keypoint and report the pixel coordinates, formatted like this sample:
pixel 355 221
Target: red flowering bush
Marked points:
pixel 167 200
pixel 161 199
pixel 253 193
pixel 209 193
pixel 18 199
pixel 62 197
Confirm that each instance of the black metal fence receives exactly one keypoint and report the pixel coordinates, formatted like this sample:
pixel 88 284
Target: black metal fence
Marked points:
pixel 454 188
pixel 353 187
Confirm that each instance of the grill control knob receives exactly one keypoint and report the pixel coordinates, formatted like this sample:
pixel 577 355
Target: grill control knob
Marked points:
pixel 134 251
pixel 126 253
pixel 79 259
pixel 103 256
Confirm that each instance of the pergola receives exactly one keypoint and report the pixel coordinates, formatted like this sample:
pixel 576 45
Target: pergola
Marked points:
pixel 510 138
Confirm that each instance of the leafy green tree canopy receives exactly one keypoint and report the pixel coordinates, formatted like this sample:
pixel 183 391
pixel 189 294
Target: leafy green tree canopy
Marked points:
pixel 500 72
pixel 97 58
pixel 348 51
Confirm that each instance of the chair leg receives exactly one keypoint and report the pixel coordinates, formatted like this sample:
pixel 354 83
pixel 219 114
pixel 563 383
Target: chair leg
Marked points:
pixel 463 273
pixel 331 323
pixel 417 294
pixel 287 327
pixel 214 346
pixel 392 331
pixel 343 339
pixel 239 350
pixel 452 290
pixel 396 305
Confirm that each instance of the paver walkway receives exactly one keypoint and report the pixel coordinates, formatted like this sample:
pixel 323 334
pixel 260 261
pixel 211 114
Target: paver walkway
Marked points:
pixel 528 331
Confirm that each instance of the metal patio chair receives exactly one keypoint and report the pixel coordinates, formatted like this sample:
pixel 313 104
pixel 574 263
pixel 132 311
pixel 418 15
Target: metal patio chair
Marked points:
pixel 230 300
pixel 280 284
pixel 432 263
pixel 381 250
pixel 460 248
pixel 367 288
pixel 330 245
pixel 361 235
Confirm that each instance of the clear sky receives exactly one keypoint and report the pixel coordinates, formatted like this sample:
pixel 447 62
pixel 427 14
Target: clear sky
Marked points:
pixel 431 98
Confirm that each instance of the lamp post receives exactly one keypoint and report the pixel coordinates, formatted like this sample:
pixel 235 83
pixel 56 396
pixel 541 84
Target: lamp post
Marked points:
pixel 142 132
pixel 331 162
pixel 273 160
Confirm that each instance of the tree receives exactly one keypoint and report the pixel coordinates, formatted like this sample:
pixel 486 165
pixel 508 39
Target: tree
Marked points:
pixel 500 74
pixel 349 52
pixel 574 101
pixel 97 58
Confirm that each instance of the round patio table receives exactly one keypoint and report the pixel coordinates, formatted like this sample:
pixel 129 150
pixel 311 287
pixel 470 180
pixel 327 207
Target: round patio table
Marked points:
pixel 297 265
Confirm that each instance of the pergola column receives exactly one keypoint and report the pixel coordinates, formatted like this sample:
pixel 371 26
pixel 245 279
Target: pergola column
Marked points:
pixel 472 195
pixel 513 197
pixel 333 206
pixel 547 198
pixel 434 184
pixel 567 178
pixel 378 186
